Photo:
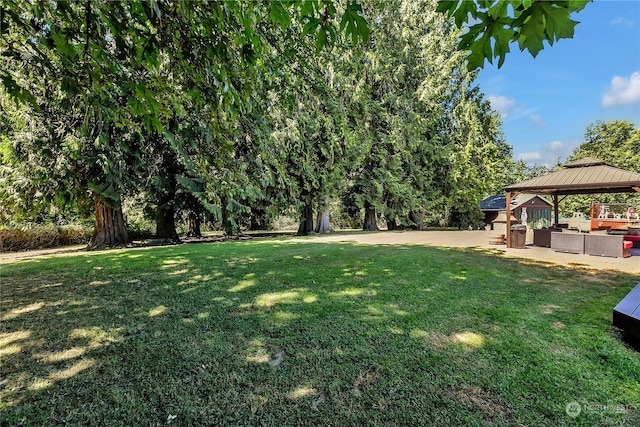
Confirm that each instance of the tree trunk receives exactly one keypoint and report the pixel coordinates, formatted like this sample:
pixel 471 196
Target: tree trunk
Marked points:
pixel 229 225
pixel 108 229
pixel 194 225
pixel 416 219
pixel 166 221
pixel 254 223
pixel 306 220
pixel 391 224
pixel 166 195
pixel 260 220
pixel 322 223
pixel 370 223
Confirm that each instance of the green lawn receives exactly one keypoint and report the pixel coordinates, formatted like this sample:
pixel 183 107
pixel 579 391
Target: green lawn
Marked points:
pixel 274 333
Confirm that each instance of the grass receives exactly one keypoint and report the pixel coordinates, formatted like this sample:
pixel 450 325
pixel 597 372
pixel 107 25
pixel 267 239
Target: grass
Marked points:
pixel 276 333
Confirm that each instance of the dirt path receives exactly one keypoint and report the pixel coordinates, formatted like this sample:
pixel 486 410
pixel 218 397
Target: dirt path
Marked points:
pixel 7 257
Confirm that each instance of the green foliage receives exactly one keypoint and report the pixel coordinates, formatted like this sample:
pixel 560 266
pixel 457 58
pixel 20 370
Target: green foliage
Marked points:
pixel 495 24
pixel 37 182
pixel 430 146
pixel 617 142
pixel 248 110
pixel 118 76
pixel 394 110
pixel 481 160
pixel 354 23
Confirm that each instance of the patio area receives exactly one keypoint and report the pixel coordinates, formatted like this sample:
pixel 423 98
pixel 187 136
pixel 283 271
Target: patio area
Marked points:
pixel 480 239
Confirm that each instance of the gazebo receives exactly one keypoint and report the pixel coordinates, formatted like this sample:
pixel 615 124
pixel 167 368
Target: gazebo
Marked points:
pixel 584 176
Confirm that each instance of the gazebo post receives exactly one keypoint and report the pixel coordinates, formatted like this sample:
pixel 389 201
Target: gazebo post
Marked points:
pixel 556 217
pixel 508 207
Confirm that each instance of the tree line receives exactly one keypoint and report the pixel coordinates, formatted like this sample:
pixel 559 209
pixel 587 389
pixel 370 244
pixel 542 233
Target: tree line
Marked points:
pixel 242 110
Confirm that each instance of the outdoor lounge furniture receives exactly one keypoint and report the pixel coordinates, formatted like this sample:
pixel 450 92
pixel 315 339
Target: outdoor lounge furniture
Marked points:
pixel 606 245
pixel 626 315
pixel 635 240
pixel 604 212
pixel 567 242
pixel 542 237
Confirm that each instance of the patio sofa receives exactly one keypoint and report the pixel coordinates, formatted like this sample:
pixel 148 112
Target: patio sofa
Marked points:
pixel 606 245
pixel 567 242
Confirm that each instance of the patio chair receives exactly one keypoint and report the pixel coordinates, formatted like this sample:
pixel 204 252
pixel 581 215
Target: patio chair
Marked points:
pixel 604 212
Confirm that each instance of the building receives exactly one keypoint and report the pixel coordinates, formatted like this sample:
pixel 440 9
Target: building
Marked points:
pixel 538 209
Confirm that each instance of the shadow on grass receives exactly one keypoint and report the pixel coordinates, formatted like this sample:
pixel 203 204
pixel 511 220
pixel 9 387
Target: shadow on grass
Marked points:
pixel 289 333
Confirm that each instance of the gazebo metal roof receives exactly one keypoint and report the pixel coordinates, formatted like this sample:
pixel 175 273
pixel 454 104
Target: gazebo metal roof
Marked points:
pixel 584 176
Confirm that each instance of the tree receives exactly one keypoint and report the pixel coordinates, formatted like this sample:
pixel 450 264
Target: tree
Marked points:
pixel 387 115
pixel 121 81
pixel 307 135
pixel 480 161
pixel 35 185
pixel 305 150
pixel 110 57
pixel 615 141
pixel 427 136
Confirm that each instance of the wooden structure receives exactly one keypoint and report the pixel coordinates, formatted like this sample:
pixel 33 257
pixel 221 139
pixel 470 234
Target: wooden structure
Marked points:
pixel 538 209
pixel 584 176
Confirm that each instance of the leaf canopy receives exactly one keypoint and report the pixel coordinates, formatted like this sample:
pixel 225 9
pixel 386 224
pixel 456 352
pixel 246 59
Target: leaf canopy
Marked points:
pixel 491 25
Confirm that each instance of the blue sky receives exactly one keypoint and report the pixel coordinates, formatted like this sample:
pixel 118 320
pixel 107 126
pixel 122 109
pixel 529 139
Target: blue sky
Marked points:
pixel 546 103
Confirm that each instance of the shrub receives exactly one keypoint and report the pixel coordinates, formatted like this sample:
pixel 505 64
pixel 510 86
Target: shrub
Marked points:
pixel 140 230
pixel 31 237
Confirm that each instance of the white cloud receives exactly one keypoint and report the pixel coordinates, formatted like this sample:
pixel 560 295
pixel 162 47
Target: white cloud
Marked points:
pixel 555 145
pixel 539 121
pixel 520 112
pixel 549 154
pixel 501 104
pixel 622 21
pixel 530 157
pixel 622 91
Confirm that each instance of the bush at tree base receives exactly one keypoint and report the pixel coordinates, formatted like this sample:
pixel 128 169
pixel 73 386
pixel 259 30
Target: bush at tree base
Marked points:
pixel 31 237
